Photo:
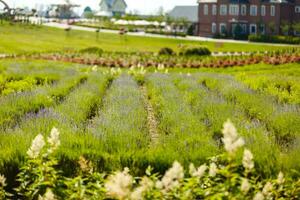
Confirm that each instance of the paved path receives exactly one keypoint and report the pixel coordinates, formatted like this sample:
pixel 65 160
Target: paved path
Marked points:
pixel 151 119
pixel 143 34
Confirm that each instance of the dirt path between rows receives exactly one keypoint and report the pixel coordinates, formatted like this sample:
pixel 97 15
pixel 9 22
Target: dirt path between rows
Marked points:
pixel 151 119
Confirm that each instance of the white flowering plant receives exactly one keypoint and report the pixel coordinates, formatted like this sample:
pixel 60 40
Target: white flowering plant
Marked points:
pixel 113 72
pixel 39 175
pixel 138 72
pixel 3 193
pixel 222 177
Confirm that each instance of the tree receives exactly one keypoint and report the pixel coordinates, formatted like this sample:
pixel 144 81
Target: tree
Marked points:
pixel 238 32
pixel 118 15
pixel 296 27
pixel 190 30
pixel 261 27
pixel 136 12
pixel 223 31
pixel 272 27
pixel 7 12
pixel 160 11
pixel 285 28
pixel 182 23
pixel 170 21
pixel 88 13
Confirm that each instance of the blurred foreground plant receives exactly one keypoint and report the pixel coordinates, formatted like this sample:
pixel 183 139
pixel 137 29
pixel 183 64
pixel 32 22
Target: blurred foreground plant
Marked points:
pixel 225 176
pixel 2 185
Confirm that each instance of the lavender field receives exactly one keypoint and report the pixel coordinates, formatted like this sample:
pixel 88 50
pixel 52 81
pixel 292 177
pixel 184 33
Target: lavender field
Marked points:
pixel 141 117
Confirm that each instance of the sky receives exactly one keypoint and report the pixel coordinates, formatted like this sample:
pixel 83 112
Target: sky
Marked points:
pixel 143 6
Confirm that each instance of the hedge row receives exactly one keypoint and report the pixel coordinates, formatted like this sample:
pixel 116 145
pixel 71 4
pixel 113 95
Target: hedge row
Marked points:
pixel 191 51
pixel 274 39
pixel 179 34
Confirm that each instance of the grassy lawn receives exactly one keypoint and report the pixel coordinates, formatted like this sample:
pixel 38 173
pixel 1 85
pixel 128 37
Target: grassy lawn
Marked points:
pixel 21 39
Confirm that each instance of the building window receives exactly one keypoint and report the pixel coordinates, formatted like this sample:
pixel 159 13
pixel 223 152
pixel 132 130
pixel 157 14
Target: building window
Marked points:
pixel 233 29
pixel 214 10
pixel 297 9
pixel 263 10
pixel 253 29
pixel 233 9
pixel 214 28
pixel 253 10
pixel 205 9
pixel 223 29
pixel 244 10
pixel 273 11
pixel 244 28
pixel 223 10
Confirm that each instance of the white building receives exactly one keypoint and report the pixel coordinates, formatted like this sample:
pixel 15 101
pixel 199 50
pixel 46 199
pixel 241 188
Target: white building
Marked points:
pixel 110 8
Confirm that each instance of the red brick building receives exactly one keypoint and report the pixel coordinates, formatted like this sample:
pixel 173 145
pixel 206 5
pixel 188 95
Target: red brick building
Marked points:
pixel 220 17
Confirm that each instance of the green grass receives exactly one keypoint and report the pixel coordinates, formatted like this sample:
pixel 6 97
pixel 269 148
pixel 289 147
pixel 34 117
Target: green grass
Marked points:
pixel 27 38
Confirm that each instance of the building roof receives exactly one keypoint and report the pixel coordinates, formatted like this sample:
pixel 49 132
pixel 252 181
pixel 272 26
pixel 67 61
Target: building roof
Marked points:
pixel 188 12
pixel 110 3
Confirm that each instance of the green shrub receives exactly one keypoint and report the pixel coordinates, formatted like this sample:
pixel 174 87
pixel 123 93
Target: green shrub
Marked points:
pixel 274 39
pixel 19 86
pixel 178 34
pixel 238 33
pixel 166 51
pixel 195 51
pixel 190 30
pixel 92 50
